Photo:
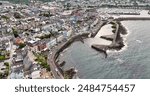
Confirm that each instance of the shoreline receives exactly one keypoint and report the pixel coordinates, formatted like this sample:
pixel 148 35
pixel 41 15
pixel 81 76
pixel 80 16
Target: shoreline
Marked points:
pixel 104 48
pixel 78 37
pixel 119 44
pixel 57 52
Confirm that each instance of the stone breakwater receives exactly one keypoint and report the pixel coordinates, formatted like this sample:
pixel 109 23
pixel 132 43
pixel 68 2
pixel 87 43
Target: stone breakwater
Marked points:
pixel 69 42
pixel 117 40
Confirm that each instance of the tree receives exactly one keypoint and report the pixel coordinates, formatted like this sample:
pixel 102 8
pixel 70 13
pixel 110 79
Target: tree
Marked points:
pixel 2 57
pixel 5 17
pixel 22 45
pixel 1 75
pixel 67 6
pixel 42 60
pixel 15 32
pixel 6 64
pixel 45 36
pixel 46 14
pixel 17 15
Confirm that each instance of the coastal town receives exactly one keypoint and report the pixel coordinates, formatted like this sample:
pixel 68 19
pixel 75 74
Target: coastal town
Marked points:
pixel 34 35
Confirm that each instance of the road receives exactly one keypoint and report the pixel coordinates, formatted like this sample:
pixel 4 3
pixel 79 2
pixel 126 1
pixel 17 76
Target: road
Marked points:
pixel 51 61
pixel 54 69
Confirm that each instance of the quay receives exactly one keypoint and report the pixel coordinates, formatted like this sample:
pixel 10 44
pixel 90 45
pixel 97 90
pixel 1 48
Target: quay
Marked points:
pixel 114 38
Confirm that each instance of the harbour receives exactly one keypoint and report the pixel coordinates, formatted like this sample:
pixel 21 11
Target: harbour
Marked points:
pixel 133 62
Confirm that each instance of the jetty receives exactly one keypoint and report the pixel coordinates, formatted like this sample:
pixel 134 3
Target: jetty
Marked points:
pixel 132 18
pixel 117 42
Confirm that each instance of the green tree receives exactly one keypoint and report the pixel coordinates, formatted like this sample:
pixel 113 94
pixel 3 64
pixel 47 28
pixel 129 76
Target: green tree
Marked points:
pixel 22 45
pixel 1 75
pixel 2 57
pixel 5 17
pixel 15 32
pixel 17 15
pixel 6 64
pixel 42 60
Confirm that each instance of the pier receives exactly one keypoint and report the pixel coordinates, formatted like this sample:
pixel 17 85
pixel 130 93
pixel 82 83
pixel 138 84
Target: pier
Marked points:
pixel 117 42
pixel 131 18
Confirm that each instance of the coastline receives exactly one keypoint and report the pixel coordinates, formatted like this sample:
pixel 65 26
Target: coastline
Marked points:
pixel 56 53
pixel 119 40
pixel 59 49
pixel 123 34
pixel 73 39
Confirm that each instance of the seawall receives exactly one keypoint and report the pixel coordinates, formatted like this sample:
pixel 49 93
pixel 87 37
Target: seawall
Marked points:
pixel 132 18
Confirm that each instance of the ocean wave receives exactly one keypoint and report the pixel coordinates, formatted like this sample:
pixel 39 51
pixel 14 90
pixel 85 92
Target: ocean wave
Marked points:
pixel 139 41
pixel 120 60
